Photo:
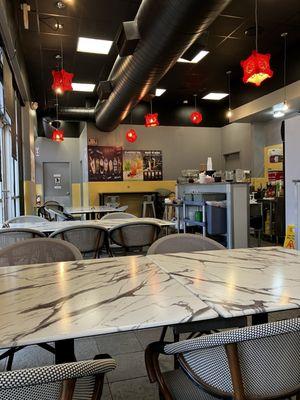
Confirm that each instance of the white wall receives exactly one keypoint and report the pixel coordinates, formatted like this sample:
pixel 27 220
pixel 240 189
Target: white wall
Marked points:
pixel 236 138
pixel 292 166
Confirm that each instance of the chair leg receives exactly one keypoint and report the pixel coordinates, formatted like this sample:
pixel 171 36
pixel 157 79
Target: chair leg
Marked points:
pixel 10 362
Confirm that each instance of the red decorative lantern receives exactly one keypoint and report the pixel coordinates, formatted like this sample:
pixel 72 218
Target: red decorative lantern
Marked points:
pixel 151 120
pixel 196 117
pixel 58 136
pixel 62 81
pixel 256 68
pixel 131 136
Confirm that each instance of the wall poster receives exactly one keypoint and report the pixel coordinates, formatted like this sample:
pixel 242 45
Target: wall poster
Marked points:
pixel 132 165
pixel 153 169
pixel 105 163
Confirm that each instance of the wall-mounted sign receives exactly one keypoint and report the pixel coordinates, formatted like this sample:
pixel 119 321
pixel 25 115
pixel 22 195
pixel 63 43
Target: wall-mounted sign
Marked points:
pixel 153 166
pixel 105 163
pixel 132 165
pixel 92 141
pixel 108 163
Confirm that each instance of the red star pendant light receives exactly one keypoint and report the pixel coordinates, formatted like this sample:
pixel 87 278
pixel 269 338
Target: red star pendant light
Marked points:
pixel 131 136
pixel 62 81
pixel 58 136
pixel 151 120
pixel 257 66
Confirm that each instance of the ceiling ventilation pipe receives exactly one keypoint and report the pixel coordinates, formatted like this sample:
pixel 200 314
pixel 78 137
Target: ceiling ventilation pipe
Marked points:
pixel 166 29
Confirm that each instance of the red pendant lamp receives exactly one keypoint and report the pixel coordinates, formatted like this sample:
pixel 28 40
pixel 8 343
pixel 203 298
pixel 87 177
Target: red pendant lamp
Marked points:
pixel 151 120
pixel 62 81
pixel 58 136
pixel 131 136
pixel 196 117
pixel 257 66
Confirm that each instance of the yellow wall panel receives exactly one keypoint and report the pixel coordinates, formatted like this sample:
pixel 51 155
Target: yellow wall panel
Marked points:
pixel 29 197
pixel 127 187
pixel 76 195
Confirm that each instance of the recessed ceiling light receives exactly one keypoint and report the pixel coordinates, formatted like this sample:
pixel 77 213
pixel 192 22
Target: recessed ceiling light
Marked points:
pixel 60 4
pixel 185 101
pixel 278 114
pixel 83 87
pixel 58 26
pixel 97 46
pixel 198 57
pixel 215 96
pixel 159 92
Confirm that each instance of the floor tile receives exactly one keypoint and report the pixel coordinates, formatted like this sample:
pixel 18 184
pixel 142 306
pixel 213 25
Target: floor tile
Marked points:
pixel 129 366
pixel 32 356
pixel 86 349
pixel 146 336
pixel 106 395
pixel 134 389
pixel 118 343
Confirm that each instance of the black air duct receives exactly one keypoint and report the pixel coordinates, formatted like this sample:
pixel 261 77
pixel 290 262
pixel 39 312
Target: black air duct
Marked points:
pixel 167 28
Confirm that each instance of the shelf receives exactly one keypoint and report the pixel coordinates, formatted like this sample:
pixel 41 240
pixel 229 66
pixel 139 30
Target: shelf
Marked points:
pixel 194 203
pixel 196 223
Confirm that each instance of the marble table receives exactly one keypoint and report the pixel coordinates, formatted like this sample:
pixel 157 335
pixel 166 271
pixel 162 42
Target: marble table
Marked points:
pixel 67 300
pixel 241 281
pixel 51 226
pixel 90 212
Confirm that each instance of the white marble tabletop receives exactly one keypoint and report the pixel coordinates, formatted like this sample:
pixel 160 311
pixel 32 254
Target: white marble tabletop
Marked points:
pixel 241 281
pixel 50 302
pixel 89 209
pixel 51 226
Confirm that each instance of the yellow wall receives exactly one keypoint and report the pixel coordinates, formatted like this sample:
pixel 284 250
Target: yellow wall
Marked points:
pixel 29 197
pixel 116 187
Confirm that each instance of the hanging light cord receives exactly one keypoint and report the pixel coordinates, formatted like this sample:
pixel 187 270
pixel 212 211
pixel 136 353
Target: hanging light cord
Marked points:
pixel 56 107
pixel 61 54
pixel 229 93
pixel 256 25
pixel 151 106
pixel 195 96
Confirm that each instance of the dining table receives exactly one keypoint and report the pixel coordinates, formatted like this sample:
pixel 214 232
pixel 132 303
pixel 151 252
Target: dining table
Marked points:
pixel 96 297
pixel 52 226
pixel 90 212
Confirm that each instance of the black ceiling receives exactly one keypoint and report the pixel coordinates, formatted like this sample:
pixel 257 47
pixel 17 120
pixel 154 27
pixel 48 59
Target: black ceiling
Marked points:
pixel 225 40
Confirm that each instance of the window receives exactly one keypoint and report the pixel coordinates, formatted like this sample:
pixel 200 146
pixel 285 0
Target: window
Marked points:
pixel 9 174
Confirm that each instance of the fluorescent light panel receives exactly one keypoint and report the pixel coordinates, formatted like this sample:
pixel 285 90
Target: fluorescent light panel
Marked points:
pixel 83 87
pixel 159 92
pixel 215 96
pixel 96 46
pixel 198 57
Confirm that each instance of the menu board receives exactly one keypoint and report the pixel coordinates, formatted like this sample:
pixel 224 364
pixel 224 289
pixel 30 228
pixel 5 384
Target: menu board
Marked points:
pixel 133 165
pixel 105 163
pixel 153 166
pixel 111 164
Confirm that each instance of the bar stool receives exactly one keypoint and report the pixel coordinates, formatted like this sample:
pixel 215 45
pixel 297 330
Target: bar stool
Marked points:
pixel 148 204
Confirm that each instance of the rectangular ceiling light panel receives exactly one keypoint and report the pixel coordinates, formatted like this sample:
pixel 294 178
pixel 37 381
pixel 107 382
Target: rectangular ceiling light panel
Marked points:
pixel 95 46
pixel 159 92
pixel 215 96
pixel 83 87
pixel 198 57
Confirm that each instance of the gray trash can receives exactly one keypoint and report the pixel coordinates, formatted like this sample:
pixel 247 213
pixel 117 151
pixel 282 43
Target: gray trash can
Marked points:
pixel 216 217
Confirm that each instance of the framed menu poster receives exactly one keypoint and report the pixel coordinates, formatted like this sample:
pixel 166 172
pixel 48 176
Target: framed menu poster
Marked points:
pixel 105 163
pixel 153 165
pixel 132 165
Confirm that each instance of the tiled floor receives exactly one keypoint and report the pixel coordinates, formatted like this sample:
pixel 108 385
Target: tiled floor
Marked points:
pixel 129 381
